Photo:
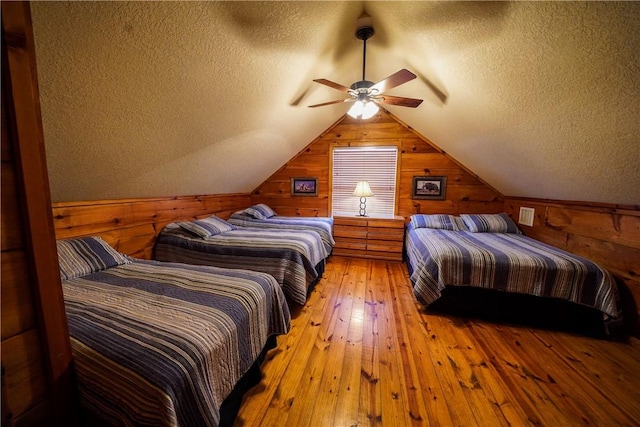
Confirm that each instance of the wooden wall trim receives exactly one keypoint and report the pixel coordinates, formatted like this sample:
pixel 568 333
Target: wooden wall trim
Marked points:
pixel 137 199
pixel 582 205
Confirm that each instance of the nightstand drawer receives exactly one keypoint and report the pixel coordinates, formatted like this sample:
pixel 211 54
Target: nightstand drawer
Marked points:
pixel 387 223
pixel 385 233
pixel 349 232
pixel 348 243
pixel 384 246
pixel 350 221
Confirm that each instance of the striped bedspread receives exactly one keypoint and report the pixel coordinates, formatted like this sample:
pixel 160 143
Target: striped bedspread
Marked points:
pixel 163 344
pixel 507 262
pixel 289 256
pixel 321 225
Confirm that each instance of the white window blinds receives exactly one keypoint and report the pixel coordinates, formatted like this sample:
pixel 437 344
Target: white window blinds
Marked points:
pixel 374 164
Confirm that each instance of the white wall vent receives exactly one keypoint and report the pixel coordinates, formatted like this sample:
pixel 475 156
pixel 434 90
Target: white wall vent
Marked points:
pixel 526 216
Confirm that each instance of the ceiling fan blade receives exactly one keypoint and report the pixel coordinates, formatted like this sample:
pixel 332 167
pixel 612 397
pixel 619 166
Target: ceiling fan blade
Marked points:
pixel 395 79
pixel 332 102
pixel 398 100
pixel 332 84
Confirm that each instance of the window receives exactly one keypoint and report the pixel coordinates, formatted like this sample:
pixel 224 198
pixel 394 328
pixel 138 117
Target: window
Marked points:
pixel 377 165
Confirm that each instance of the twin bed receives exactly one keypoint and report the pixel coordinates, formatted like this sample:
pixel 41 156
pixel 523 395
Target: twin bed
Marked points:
pixel 295 257
pixel 263 217
pixel 488 251
pixel 163 343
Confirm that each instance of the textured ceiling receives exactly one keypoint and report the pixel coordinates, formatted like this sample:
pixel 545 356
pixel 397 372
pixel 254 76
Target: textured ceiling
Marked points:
pixel 145 99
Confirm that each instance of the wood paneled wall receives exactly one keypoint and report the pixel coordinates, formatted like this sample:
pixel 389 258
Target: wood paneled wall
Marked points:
pixel 23 379
pixel 607 234
pixel 131 225
pixel 418 157
pixel 37 386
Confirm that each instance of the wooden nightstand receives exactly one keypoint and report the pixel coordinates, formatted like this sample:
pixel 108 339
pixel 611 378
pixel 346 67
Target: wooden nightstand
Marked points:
pixel 364 237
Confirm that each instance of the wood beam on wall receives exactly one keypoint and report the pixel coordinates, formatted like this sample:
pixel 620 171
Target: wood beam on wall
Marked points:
pixel 37 361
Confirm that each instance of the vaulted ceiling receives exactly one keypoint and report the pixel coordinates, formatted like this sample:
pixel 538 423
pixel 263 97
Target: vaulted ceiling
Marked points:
pixel 142 99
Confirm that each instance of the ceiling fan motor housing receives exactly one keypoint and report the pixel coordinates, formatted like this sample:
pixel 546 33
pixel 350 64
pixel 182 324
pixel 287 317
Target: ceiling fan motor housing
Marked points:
pixel 362 84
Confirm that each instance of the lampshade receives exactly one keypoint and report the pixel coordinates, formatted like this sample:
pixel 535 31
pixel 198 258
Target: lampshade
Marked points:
pixel 364 110
pixel 362 189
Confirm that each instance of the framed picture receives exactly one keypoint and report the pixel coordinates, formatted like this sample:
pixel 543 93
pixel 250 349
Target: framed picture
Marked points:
pixel 304 186
pixel 429 187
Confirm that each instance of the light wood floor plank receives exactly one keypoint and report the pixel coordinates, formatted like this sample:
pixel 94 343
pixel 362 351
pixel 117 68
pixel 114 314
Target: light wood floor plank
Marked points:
pixel 336 361
pixel 392 402
pixel 370 411
pixel 302 377
pixel 576 406
pixel 601 371
pixel 349 386
pixel 420 372
pixel 531 394
pixel 484 378
pixel 364 352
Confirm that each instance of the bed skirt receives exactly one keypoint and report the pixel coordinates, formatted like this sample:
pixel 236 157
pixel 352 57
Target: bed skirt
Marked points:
pixel 522 309
pixel 230 406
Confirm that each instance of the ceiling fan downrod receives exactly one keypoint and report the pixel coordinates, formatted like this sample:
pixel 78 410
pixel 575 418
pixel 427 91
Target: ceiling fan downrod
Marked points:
pixel 364 31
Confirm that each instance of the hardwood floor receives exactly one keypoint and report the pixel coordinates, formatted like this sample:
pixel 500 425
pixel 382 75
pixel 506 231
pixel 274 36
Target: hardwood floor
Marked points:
pixel 362 351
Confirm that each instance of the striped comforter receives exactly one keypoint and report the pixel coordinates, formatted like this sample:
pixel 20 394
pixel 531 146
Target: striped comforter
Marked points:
pixel 507 262
pixel 164 344
pixel 321 225
pixel 289 256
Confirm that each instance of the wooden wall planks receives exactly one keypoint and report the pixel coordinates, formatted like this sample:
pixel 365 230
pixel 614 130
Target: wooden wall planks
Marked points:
pixel 131 225
pixel 418 157
pixel 606 234
pixel 37 386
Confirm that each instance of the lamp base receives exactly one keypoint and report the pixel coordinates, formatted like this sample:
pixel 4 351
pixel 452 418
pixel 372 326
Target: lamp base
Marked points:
pixel 363 207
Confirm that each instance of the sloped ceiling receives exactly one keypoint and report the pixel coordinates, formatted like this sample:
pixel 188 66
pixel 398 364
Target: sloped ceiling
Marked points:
pixel 143 99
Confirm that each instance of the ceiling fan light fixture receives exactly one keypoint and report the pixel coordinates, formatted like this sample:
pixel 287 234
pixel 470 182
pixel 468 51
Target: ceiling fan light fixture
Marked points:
pixel 363 110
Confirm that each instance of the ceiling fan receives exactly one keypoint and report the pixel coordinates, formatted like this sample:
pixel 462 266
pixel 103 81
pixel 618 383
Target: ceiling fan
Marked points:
pixel 367 94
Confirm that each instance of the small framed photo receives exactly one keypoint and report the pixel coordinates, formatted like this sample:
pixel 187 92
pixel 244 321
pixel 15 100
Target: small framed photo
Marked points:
pixel 429 187
pixel 304 186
